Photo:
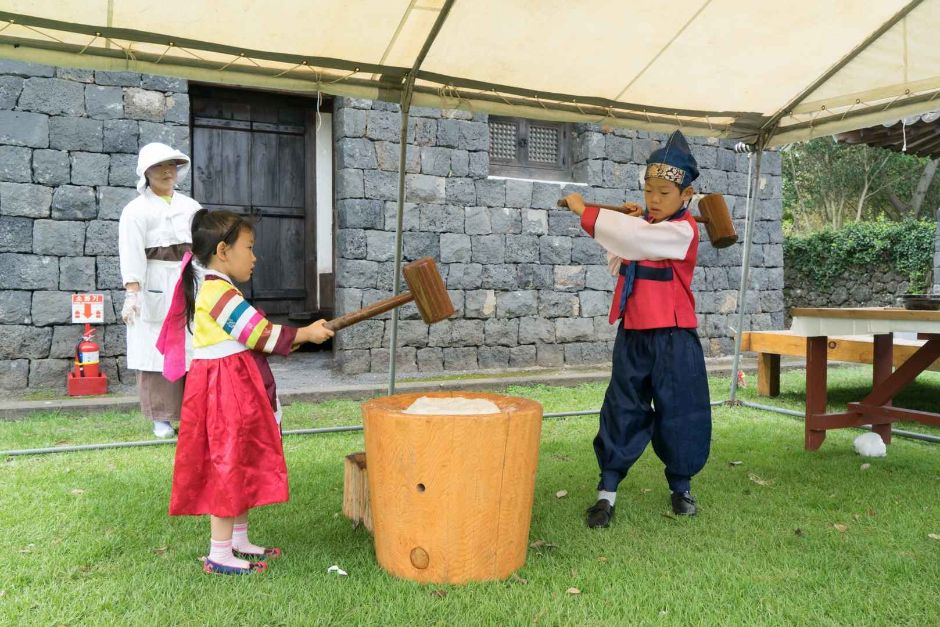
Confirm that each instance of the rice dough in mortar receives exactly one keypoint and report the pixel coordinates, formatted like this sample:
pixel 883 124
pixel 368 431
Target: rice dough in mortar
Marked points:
pixel 452 406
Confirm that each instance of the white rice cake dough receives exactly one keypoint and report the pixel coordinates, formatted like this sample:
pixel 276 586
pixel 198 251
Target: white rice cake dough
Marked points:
pixel 452 406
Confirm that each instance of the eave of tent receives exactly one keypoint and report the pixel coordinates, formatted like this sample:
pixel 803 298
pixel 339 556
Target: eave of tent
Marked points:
pixel 863 62
pixel 919 136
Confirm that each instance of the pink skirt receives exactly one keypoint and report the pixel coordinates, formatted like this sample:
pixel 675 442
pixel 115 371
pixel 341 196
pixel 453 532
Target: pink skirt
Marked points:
pixel 229 456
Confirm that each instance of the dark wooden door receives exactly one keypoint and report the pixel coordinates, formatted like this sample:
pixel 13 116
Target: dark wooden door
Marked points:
pixel 254 154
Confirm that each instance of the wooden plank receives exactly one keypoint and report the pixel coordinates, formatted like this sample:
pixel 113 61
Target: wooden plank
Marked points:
pixel 207 165
pixel 264 169
pixel 237 183
pixel 869 313
pixel 768 374
pixel 887 412
pixel 850 349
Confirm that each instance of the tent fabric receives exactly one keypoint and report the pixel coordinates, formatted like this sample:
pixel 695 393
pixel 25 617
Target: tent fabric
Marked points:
pixel 761 72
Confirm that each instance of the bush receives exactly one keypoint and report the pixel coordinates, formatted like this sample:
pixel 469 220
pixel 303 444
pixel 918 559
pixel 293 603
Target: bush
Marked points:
pixel 906 246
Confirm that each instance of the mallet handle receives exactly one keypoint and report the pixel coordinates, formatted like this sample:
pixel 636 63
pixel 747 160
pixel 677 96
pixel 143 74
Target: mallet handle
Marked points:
pixel 372 310
pixel 619 209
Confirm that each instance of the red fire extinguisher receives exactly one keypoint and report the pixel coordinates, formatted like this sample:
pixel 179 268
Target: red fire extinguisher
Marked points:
pixel 87 355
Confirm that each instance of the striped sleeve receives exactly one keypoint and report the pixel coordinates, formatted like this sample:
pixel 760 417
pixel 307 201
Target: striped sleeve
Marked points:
pixel 245 324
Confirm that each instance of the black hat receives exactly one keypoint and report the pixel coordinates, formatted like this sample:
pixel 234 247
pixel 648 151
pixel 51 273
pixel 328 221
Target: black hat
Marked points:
pixel 673 162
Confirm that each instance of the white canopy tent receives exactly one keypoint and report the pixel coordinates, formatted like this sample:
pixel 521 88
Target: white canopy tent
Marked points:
pixel 765 73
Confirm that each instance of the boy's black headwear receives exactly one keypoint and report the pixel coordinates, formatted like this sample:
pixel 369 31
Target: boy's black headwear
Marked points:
pixel 673 162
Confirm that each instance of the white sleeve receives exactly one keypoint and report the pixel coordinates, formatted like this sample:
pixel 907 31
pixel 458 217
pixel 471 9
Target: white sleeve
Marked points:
pixel 613 264
pixel 132 246
pixel 633 238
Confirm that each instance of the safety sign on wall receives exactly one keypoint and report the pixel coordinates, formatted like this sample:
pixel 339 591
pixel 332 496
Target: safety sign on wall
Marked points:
pixel 88 308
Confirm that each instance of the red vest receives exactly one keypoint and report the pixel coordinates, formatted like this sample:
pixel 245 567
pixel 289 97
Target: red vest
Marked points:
pixel 656 303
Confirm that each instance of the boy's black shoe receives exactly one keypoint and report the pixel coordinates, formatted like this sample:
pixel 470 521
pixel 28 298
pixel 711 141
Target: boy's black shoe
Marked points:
pixel 599 514
pixel 683 504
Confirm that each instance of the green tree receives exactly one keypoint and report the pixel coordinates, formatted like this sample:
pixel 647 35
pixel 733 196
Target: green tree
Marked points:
pixel 829 184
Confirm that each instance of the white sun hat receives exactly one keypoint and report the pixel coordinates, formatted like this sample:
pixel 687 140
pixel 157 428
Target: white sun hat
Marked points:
pixel 155 153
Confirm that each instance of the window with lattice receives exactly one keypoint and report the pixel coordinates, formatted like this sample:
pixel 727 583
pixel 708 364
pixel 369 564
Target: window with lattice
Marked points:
pixel 529 149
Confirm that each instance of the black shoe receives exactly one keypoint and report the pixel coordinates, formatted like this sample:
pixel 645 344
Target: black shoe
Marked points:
pixel 599 514
pixel 683 504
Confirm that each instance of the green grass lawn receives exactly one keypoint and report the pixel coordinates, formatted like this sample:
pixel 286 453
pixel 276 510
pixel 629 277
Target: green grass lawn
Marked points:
pixel 87 539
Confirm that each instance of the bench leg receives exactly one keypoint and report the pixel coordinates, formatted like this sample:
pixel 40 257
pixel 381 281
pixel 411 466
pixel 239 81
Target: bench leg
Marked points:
pixel 816 392
pixel 882 367
pixel 768 374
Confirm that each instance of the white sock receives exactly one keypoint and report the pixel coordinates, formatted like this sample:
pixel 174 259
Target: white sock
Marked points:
pixel 220 552
pixel 608 496
pixel 240 541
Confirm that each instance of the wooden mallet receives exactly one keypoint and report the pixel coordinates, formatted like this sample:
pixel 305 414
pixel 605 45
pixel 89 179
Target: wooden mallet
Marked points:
pixel 426 290
pixel 715 216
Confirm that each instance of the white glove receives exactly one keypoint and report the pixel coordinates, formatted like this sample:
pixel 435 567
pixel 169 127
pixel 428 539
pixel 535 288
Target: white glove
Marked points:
pixel 131 309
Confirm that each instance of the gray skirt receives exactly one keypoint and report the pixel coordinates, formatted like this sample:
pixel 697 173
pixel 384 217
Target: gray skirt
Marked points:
pixel 160 400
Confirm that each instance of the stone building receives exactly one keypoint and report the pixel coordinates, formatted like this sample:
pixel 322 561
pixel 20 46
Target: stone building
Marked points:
pixel 530 289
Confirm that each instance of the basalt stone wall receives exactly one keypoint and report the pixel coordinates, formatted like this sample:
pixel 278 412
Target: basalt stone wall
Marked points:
pixel 878 288
pixel 530 288
pixel 68 151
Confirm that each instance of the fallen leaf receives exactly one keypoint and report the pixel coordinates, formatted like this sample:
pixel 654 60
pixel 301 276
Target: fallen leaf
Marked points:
pixel 561 494
pixel 663 612
pixel 758 480
pixel 160 550
pixel 601 558
pixel 866 466
pixel 336 569
pixel 28 548
pixel 934 536
pixel 645 490
pixel 517 579
pixel 735 463
pixel 439 593
pixel 573 590
pixel 542 544
pixel 77 491
pixel 840 527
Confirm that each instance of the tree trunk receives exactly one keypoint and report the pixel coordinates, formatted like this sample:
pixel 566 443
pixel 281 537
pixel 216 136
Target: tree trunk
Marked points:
pixel 861 200
pixel 923 184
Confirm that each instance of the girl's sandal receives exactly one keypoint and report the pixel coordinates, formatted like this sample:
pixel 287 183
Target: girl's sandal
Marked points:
pixel 214 568
pixel 269 554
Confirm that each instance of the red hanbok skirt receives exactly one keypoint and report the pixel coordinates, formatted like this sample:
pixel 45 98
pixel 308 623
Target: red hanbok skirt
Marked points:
pixel 229 456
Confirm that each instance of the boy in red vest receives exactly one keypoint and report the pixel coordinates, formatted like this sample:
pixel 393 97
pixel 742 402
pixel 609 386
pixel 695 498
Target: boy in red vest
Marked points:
pixel 658 388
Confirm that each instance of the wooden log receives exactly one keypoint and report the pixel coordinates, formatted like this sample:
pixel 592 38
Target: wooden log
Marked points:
pixel 356 491
pixel 452 496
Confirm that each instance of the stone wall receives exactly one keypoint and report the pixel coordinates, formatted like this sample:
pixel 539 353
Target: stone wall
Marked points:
pixel 68 151
pixel 857 287
pixel 530 288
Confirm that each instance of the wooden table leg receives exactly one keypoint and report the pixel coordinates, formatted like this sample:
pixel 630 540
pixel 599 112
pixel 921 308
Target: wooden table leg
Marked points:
pixel 816 394
pixel 768 374
pixel 882 366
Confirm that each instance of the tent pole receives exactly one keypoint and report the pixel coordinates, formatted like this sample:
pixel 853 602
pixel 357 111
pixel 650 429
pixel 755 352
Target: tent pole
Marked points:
pixel 396 280
pixel 407 91
pixel 755 158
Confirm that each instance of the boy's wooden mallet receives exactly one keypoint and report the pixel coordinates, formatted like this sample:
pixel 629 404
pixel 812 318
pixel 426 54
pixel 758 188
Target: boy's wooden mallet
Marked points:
pixel 426 290
pixel 715 216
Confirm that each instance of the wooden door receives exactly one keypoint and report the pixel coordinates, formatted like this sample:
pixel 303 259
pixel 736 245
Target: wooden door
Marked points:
pixel 254 154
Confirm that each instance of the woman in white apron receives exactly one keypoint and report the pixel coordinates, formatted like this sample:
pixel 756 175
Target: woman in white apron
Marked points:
pixel 154 234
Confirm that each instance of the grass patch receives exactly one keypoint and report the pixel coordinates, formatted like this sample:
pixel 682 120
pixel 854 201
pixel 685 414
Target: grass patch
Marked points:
pixel 87 539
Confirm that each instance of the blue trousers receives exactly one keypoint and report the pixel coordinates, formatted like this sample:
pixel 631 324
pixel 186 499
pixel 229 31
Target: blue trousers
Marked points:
pixel 658 391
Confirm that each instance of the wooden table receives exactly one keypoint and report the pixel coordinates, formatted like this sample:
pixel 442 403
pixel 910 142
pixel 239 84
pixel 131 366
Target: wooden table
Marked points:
pixel 876 408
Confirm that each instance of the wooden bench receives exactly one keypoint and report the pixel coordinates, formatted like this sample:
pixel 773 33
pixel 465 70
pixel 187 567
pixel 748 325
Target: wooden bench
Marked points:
pixel 770 345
